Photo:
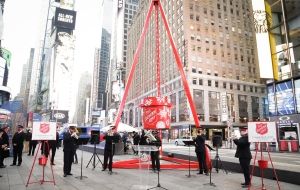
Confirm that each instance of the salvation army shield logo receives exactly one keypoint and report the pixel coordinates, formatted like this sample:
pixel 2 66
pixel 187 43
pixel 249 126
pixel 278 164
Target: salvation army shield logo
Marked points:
pixel 262 128
pixel 44 128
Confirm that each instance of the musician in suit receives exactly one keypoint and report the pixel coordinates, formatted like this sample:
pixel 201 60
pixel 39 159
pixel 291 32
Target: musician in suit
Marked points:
pixel 111 139
pixel 200 152
pixel 4 145
pixel 69 140
pixel 155 154
pixel 136 141
pixel 244 155
pixel 17 141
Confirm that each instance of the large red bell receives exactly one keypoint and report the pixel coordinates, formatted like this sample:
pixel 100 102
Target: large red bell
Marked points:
pixel 156 113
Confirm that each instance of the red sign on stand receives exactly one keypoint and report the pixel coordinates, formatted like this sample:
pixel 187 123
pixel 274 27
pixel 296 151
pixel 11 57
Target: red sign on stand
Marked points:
pixel 156 113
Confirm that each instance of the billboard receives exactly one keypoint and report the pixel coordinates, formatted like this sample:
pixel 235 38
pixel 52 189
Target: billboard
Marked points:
pixel 262 132
pixel 44 131
pixel 262 38
pixel 61 116
pixel 285 98
pixel 65 18
pixel 271 100
pixel 224 106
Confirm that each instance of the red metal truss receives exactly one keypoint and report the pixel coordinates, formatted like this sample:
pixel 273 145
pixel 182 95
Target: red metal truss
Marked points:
pixel 158 9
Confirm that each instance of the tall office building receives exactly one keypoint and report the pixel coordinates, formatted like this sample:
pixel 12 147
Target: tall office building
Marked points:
pixel 215 40
pixel 102 59
pixel 83 95
pixel 26 79
pixel 124 12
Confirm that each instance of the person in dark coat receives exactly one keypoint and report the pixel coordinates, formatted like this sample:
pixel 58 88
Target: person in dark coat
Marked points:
pixel 155 154
pixel 32 143
pixel 124 140
pixel 244 155
pixel 69 140
pixel 143 139
pixel 111 139
pixel 53 145
pixel 200 152
pixel 136 141
pixel 17 141
pixel 4 145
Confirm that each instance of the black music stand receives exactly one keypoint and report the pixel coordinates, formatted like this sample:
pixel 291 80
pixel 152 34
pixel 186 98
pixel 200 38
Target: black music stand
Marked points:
pixel 82 141
pixel 189 143
pixel 94 140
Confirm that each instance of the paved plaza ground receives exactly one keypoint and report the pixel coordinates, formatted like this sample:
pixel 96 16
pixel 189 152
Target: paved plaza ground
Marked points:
pixel 15 178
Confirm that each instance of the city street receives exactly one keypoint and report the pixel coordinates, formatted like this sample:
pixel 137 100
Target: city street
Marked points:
pixel 15 178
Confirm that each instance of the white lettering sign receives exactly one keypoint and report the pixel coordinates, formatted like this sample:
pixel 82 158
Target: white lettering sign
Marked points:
pixel 65 18
pixel 224 106
pixel 262 132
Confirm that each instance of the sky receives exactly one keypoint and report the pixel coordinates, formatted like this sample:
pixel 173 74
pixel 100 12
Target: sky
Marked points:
pixel 23 29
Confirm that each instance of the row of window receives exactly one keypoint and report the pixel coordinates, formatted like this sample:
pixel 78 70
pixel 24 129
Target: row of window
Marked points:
pixel 225 85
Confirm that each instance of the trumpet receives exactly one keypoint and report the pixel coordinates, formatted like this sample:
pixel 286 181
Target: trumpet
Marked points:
pixel 150 136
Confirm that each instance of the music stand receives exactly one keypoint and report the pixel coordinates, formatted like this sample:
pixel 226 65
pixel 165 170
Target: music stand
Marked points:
pixel 94 140
pixel 82 141
pixel 189 143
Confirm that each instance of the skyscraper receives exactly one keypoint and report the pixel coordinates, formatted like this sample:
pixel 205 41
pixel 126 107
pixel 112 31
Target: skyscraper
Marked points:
pixel 124 11
pixel 215 40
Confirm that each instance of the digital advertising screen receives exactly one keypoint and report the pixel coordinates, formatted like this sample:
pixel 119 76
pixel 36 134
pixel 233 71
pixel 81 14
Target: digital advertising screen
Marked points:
pixel 285 98
pixel 297 93
pixel 271 100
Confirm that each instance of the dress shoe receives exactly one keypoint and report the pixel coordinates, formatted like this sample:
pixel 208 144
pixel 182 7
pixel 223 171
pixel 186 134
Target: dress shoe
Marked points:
pixel 200 173
pixel 245 186
pixel 0 175
pixel 206 174
pixel 52 164
pixel 3 166
pixel 110 172
pixel 65 175
pixel 103 169
pixel 69 174
pixel 12 164
pixel 19 165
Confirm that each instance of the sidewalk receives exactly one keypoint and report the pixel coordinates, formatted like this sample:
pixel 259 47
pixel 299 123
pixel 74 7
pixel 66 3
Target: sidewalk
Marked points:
pixel 15 178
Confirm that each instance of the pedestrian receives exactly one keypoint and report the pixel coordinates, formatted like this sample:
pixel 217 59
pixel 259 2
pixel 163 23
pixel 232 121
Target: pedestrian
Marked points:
pixel 111 139
pixel 244 155
pixel 4 145
pixel 124 140
pixel 17 141
pixel 136 140
pixel 155 154
pixel 200 152
pixel 54 144
pixel 69 141
pixel 143 139
pixel 32 143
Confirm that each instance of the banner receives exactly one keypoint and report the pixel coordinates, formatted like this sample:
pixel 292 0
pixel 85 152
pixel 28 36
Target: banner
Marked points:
pixel 44 131
pixel 262 132
pixel 65 18
pixel 262 39
pixel 224 107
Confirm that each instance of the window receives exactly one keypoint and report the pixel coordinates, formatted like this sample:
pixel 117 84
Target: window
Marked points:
pixel 209 83
pixel 200 71
pixel 238 87
pixel 194 81
pixel 217 84
pixel 216 74
pixel 194 70
pixel 200 82
pixel 224 85
pixel 231 86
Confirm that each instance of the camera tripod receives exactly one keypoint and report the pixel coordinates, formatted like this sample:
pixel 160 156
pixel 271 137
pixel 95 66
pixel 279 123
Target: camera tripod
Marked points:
pixel 218 162
pixel 94 158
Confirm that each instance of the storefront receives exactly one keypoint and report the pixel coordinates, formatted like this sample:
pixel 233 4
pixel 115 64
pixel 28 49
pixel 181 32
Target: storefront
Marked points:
pixel 288 132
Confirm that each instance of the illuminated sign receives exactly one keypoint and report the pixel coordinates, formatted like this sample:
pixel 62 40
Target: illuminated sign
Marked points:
pixel 65 18
pixel 285 98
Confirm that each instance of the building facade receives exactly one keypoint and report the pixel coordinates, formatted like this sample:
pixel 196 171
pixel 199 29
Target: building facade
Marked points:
pixel 215 40
pixel 284 91
pixel 124 11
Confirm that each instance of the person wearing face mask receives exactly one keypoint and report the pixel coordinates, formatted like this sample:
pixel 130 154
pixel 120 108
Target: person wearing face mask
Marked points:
pixel 244 155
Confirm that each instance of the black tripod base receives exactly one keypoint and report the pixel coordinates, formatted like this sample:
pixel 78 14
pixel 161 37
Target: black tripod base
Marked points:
pixel 158 187
pixel 210 184
pixel 81 177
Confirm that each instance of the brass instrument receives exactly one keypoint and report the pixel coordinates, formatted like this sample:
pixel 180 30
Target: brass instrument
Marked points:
pixel 150 136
